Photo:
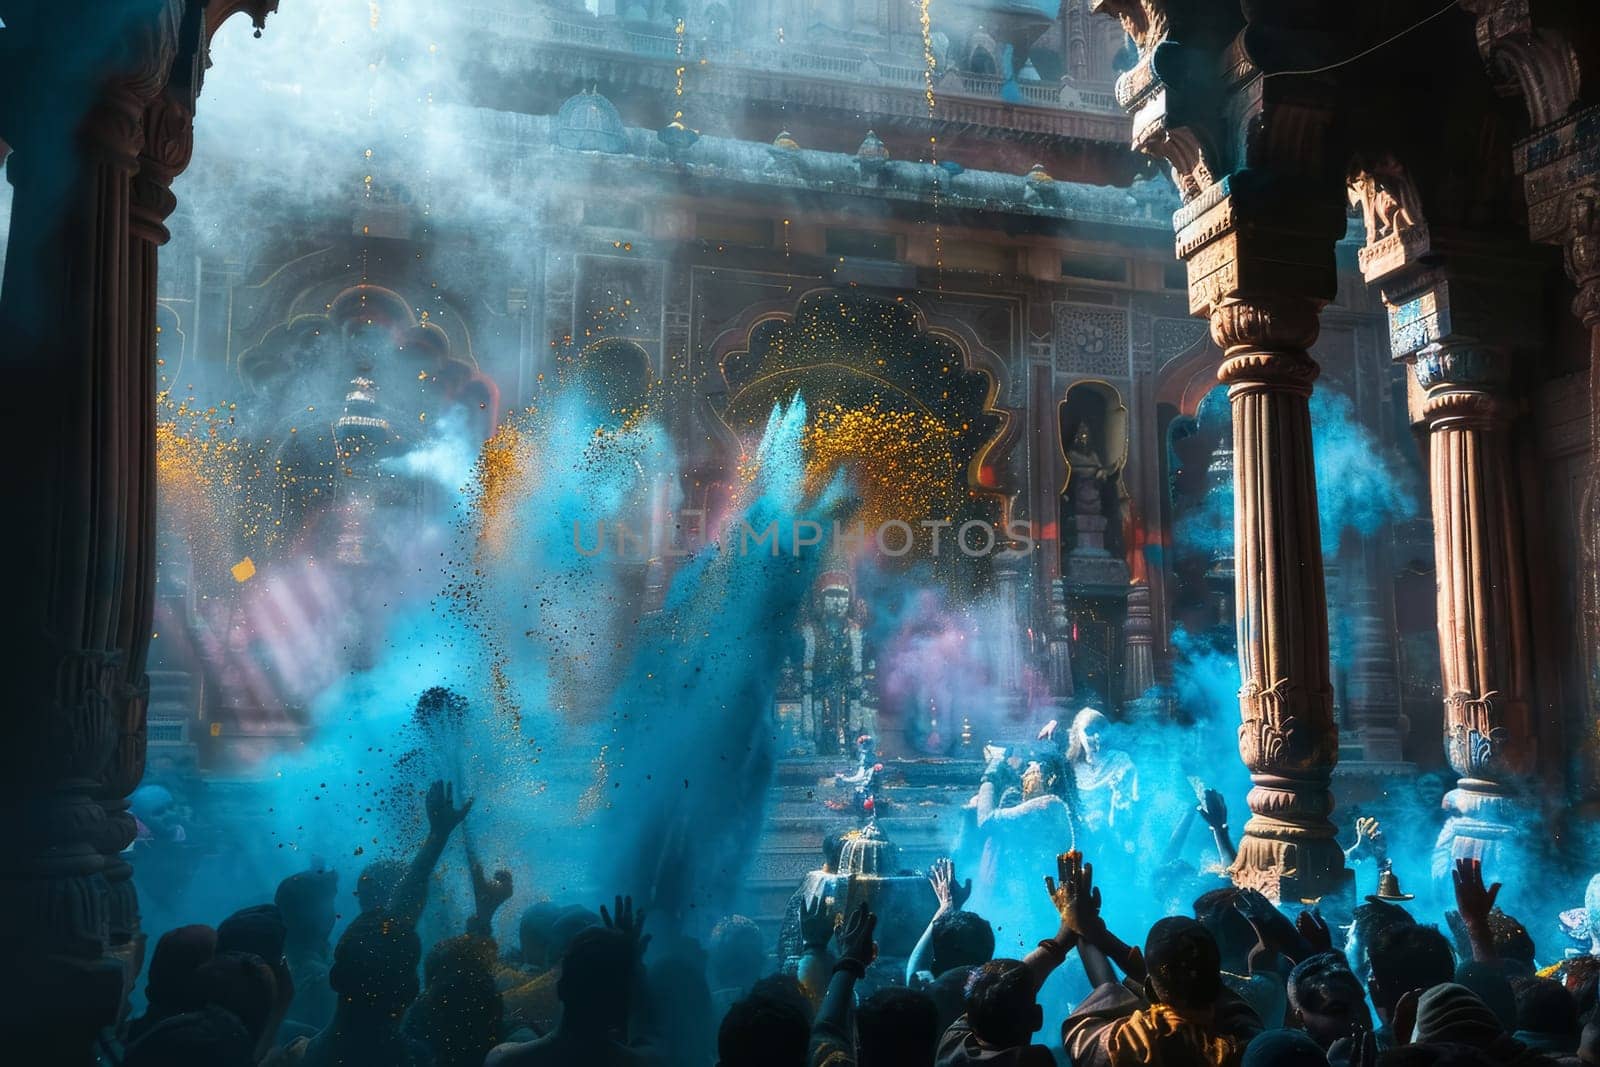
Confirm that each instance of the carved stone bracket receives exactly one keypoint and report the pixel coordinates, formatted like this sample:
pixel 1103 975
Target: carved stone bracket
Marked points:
pixel 1397 233
pixel 1536 61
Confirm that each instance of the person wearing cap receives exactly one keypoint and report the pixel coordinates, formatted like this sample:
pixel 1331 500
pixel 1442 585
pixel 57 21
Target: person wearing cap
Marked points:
pixel 1174 1005
pixel 1452 1014
pixel 170 986
pixel 1405 958
pixel 260 932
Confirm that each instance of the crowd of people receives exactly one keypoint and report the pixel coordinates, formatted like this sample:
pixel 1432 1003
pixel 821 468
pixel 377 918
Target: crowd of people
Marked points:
pixel 1237 982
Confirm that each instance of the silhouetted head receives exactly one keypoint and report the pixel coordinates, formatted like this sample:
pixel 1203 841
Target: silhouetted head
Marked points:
pixel 763 1031
pixel 241 983
pixel 1452 1013
pixel 949 993
pixel 1492 986
pixel 170 986
pixel 680 1005
pixel 961 939
pixel 376 884
pixel 1546 1009
pixel 897 1027
pixel 534 933
pixel 1185 969
pixel 210 1037
pixel 1002 1004
pixel 462 954
pixel 459 1010
pixel 306 903
pixel 1328 998
pixel 737 953
pixel 1232 932
pixel 1437 1056
pixel 1366 921
pixel 375 965
pixel 1282 1048
pixel 1513 945
pixel 596 978
pixel 572 921
pixel 1406 957
pixel 787 988
pixel 259 931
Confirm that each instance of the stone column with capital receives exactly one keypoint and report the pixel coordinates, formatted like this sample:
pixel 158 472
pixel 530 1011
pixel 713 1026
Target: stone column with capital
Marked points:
pixel 77 311
pixel 1582 248
pixel 1484 642
pixel 1288 737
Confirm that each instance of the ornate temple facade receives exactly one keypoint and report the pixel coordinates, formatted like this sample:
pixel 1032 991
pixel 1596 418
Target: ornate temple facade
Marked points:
pixel 1342 227
pixel 673 240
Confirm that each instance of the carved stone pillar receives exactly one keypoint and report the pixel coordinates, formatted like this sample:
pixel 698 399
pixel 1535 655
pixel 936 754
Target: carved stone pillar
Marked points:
pixel 1484 644
pixel 1138 634
pixel 77 312
pixel 1288 738
pixel 71 605
pixel 168 139
pixel 1583 266
pixel 1372 691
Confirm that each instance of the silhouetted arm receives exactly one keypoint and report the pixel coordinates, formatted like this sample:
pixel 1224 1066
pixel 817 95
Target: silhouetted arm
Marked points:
pixel 951 896
pixel 1215 812
pixel 833 1031
pixel 815 966
pixel 1180 836
pixel 487 896
pixel 1095 965
pixel 411 894
pixel 1474 903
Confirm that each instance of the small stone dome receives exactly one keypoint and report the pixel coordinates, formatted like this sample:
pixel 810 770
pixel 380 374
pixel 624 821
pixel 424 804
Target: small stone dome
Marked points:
pixel 589 122
pixel 786 141
pixel 872 149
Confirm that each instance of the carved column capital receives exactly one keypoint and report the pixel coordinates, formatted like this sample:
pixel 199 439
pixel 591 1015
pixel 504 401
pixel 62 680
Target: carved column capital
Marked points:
pixel 1462 365
pixel 1272 323
pixel 168 144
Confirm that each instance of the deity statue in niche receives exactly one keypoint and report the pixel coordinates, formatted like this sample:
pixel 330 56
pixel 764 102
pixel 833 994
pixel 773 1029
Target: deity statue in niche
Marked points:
pixel 835 705
pixel 1088 472
pixel 1087 492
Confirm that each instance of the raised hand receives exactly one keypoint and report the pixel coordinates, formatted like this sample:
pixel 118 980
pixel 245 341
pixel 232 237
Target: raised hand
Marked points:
pixel 816 922
pixel 1076 899
pixel 1314 929
pixel 1275 931
pixel 1256 908
pixel 1047 732
pixel 626 920
pixel 1213 809
pixel 1369 840
pixel 1357 1050
pixel 951 894
pixel 1472 899
pixel 443 815
pixel 489 893
pixel 855 940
